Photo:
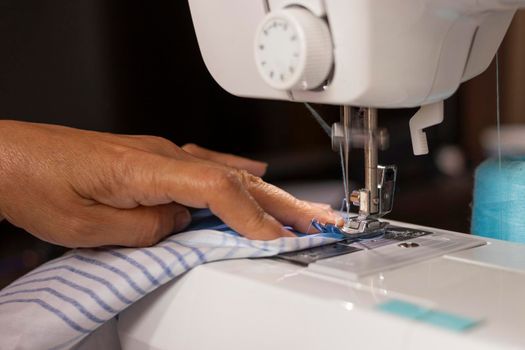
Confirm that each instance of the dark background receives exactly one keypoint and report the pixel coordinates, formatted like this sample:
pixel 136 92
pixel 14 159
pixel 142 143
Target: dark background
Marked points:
pixel 134 67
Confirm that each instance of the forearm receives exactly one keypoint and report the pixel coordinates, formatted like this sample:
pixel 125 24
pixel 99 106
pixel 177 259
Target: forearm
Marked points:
pixel 6 161
pixel 2 159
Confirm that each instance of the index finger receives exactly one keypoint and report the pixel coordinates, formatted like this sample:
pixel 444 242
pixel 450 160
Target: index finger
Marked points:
pixel 288 209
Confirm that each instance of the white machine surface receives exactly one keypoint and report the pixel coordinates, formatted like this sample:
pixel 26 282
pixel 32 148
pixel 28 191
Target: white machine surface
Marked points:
pixel 440 290
pixel 275 304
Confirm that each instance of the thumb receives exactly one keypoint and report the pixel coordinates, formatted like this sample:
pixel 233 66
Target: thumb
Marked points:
pixel 137 227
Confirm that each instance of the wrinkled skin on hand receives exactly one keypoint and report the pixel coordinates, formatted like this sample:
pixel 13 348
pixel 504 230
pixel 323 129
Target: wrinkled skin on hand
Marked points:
pixel 81 188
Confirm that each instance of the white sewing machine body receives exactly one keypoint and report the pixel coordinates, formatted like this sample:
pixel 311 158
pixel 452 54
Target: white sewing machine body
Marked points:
pixel 386 54
pixel 275 304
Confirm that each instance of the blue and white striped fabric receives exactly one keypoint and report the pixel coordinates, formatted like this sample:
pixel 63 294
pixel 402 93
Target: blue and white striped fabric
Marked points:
pixel 61 302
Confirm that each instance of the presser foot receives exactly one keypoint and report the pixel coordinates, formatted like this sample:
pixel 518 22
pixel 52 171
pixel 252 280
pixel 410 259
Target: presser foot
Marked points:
pixel 363 227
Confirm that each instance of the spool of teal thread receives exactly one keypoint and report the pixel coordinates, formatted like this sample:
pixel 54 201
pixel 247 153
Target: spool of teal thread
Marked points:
pixel 499 199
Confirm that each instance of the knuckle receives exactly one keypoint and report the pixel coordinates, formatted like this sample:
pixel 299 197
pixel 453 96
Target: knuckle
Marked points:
pixel 159 144
pixel 128 165
pixel 124 156
pixel 163 142
pixel 232 179
pixel 251 180
pixel 122 168
pixel 190 147
pixel 229 179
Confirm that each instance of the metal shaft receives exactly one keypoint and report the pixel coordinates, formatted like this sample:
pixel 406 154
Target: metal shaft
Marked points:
pixel 370 125
pixel 346 121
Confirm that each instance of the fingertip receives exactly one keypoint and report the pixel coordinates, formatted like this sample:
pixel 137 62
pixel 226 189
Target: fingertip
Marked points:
pixel 322 216
pixel 264 167
pixel 329 216
pixel 182 219
pixel 259 168
pixel 190 148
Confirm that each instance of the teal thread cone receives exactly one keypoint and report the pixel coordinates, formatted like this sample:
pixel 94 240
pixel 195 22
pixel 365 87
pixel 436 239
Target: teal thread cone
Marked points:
pixel 499 199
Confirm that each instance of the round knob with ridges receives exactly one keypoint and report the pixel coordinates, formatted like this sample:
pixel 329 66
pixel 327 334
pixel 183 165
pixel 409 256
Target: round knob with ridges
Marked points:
pixel 293 49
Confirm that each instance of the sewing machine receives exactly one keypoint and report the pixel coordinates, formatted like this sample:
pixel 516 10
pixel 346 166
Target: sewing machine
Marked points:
pixel 409 287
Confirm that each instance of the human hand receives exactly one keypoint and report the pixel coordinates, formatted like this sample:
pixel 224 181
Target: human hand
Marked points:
pixel 82 189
